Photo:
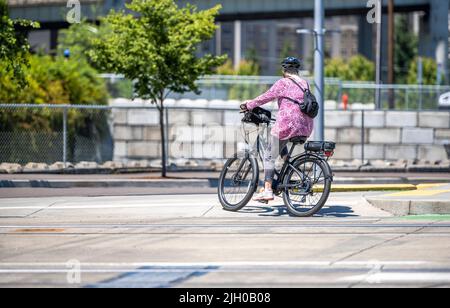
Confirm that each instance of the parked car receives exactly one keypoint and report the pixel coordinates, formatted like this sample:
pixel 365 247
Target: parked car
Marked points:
pixel 444 101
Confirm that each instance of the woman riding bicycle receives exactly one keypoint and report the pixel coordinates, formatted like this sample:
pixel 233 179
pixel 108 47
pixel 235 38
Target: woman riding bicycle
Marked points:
pixel 291 122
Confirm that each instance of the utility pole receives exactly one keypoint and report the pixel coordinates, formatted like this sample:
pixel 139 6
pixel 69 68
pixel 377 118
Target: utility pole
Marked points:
pixel 379 18
pixel 319 16
pixel 391 42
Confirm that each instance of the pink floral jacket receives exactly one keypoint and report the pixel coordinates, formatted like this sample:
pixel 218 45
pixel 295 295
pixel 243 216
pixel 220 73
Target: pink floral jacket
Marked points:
pixel 291 122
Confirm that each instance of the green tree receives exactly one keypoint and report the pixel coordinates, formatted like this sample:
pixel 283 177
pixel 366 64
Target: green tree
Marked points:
pixel 78 38
pixel 429 72
pixel 357 68
pixel 405 49
pixel 14 47
pixel 242 91
pixel 336 68
pixel 34 132
pixel 157 50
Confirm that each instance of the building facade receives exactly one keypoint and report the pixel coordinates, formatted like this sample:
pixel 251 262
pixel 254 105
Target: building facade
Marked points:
pixel 266 29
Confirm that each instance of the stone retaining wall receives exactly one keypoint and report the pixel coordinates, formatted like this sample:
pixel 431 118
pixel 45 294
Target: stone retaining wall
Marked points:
pixel 215 133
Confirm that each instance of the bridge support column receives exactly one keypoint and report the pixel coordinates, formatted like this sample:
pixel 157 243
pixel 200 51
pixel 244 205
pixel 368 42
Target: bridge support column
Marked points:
pixel 365 38
pixel 237 43
pixel 434 34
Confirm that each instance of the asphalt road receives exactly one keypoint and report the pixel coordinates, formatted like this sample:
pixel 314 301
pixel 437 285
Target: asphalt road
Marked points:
pixel 189 241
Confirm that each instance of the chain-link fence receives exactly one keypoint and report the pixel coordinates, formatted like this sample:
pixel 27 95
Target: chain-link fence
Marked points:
pixel 55 133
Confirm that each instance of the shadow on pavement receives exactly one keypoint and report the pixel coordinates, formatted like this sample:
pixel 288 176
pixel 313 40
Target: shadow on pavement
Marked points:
pixel 339 211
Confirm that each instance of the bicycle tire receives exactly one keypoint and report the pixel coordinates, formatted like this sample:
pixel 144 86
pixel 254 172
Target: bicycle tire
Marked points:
pixel 226 204
pixel 325 194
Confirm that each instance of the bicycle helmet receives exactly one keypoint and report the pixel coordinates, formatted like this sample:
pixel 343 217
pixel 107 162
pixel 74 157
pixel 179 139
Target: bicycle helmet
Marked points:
pixel 291 63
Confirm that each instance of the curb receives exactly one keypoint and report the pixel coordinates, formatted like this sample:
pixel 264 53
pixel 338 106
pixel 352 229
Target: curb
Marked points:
pixel 177 183
pixel 404 207
pixel 103 183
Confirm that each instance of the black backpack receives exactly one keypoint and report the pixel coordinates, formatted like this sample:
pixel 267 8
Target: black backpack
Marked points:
pixel 309 106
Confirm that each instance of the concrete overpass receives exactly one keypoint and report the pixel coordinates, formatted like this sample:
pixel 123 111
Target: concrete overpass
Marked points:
pixel 434 28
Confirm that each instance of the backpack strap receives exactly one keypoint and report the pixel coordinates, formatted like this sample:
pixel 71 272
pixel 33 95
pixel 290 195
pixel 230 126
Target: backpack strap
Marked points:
pixel 292 100
pixel 298 85
pixel 301 88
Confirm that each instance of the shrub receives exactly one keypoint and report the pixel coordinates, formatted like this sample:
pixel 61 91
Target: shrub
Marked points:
pixel 50 81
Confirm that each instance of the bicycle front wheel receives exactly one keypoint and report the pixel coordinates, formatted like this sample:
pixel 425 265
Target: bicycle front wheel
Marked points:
pixel 308 187
pixel 238 182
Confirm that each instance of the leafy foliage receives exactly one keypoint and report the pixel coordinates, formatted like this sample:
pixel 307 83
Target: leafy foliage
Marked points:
pixel 242 91
pixel 53 81
pixel 357 68
pixel 429 72
pixel 78 38
pixel 155 46
pixel 14 46
pixel 157 49
pixel 35 133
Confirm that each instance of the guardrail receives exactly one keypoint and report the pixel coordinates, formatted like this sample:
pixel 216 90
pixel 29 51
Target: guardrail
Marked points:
pixel 406 97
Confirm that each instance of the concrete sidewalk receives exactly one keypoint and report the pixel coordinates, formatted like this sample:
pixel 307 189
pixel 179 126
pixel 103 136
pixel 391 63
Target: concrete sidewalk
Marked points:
pixel 428 199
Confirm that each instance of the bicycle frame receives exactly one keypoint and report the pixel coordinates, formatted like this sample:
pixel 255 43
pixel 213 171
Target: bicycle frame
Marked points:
pixel 278 185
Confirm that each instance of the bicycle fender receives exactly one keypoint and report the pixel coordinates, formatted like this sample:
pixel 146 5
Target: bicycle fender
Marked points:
pixel 327 166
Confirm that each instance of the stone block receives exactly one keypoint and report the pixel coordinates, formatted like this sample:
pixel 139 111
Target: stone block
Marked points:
pixel 120 116
pixel 128 133
pixel 401 119
pixel 180 150
pixel 351 135
pixel 120 149
pixel 207 150
pixel 442 134
pixel 153 133
pixel 433 153
pixel 418 136
pixel 179 116
pixel 371 152
pixel 214 133
pixel 385 135
pixel 337 119
pixel 331 134
pixel 372 119
pixel 396 152
pixel 343 152
pixel 232 118
pixel 206 117
pixel 230 149
pixel 143 149
pixel 188 134
pixel 143 117
pixel 434 119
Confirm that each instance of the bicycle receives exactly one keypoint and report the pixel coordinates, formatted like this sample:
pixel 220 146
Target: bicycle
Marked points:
pixel 304 180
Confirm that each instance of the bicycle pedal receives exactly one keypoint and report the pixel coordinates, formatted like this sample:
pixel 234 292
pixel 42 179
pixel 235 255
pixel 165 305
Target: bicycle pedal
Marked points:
pixel 264 202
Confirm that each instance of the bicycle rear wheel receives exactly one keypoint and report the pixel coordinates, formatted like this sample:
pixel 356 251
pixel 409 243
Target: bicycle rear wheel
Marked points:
pixel 308 187
pixel 238 182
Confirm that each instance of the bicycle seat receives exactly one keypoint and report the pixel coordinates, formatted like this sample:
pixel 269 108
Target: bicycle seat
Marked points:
pixel 298 140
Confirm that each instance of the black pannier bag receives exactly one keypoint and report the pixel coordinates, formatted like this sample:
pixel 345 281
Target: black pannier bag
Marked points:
pixel 320 146
pixel 309 106
pixel 258 116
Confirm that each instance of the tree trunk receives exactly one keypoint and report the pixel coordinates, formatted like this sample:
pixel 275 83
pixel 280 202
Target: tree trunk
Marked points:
pixel 163 139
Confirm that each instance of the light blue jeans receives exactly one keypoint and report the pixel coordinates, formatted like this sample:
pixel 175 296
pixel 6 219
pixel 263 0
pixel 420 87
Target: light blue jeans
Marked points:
pixel 275 148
